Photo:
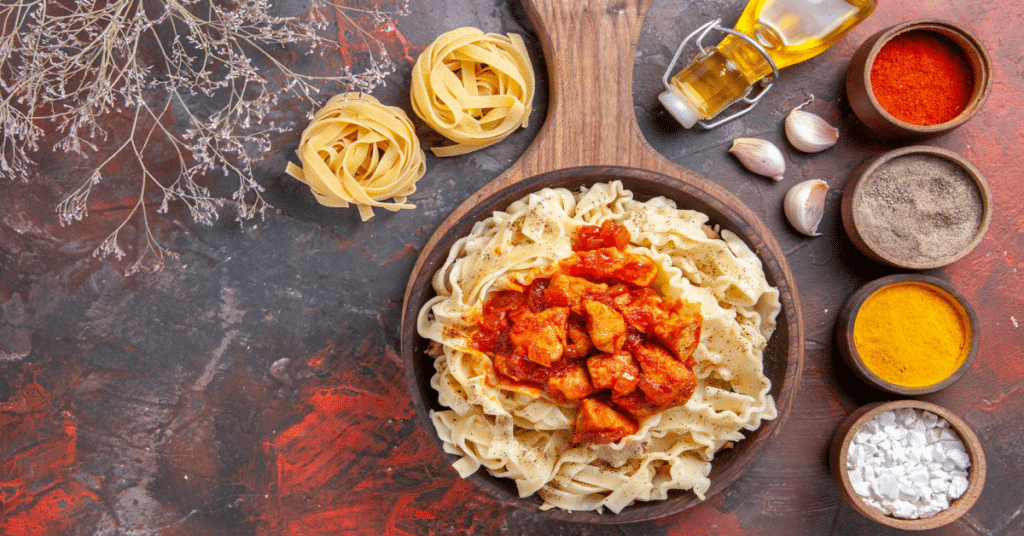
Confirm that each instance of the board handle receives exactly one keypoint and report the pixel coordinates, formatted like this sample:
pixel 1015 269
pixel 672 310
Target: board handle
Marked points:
pixel 590 48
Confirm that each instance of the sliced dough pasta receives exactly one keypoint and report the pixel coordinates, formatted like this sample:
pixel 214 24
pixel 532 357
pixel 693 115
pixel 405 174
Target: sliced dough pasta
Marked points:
pixel 359 151
pixel 473 88
pixel 529 439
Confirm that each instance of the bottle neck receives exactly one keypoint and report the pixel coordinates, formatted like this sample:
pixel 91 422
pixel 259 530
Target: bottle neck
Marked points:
pixel 747 59
pixel 718 78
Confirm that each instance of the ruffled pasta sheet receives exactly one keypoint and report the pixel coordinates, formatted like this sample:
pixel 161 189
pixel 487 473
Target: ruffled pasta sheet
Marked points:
pixel 357 150
pixel 528 439
pixel 473 88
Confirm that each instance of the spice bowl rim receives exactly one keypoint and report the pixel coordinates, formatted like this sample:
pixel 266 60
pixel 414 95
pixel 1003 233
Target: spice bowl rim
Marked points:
pixel 851 199
pixel 870 111
pixel 848 348
pixel 839 449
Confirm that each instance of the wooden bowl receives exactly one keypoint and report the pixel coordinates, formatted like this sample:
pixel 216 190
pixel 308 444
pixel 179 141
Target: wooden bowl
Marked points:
pixel 782 357
pixel 848 348
pixel 867 107
pixel 572 150
pixel 859 221
pixel 840 448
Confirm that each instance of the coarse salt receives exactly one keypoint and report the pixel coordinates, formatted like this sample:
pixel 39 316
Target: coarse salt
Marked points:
pixel 908 463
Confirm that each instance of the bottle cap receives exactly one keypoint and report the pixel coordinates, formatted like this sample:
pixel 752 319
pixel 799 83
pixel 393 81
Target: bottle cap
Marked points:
pixel 681 109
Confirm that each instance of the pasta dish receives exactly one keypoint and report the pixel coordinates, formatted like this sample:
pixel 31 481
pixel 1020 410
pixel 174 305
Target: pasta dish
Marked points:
pixel 596 349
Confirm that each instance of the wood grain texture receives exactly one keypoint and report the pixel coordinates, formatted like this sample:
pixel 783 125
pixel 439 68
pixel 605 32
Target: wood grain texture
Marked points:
pixel 591 135
pixel 589 47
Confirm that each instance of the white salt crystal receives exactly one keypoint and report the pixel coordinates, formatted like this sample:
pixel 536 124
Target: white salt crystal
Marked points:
pixel 908 491
pixel 905 510
pixel 919 476
pixel 895 432
pixel 928 510
pixel 898 456
pixel 886 486
pixel 940 485
pixel 957 487
pixel 908 463
pixel 856 477
pixel 959 458
pixel 863 489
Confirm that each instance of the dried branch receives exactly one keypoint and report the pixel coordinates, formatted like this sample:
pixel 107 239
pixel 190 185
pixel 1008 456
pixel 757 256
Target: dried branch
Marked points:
pixel 200 80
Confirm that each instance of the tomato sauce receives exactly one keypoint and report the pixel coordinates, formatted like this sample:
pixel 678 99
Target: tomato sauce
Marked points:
pixel 595 333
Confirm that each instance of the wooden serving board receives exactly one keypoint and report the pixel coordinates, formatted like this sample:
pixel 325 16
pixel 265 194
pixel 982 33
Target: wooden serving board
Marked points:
pixel 591 135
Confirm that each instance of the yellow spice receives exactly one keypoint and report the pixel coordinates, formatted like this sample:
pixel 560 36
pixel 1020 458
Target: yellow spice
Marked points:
pixel 911 334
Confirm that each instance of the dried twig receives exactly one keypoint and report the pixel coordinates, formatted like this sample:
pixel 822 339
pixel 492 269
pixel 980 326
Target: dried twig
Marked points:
pixel 200 80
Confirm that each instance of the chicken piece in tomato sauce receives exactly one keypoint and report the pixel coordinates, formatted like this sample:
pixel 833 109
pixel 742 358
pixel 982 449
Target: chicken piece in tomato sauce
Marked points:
pixel 597 422
pixel 594 333
pixel 540 336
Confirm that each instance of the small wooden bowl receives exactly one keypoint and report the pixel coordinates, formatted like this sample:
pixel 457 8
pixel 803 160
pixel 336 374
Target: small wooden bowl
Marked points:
pixel 840 448
pixel 848 348
pixel 857 221
pixel 866 106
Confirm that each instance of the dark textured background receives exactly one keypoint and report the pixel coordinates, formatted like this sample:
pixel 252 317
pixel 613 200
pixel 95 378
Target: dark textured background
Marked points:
pixel 254 387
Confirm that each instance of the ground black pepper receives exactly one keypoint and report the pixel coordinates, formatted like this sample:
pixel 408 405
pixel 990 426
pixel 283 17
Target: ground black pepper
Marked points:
pixel 919 208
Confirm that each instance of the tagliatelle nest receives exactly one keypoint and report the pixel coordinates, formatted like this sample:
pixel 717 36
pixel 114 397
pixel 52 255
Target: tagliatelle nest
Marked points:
pixel 359 151
pixel 473 88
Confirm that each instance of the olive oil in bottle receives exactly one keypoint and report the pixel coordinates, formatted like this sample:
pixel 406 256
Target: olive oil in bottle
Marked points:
pixel 783 32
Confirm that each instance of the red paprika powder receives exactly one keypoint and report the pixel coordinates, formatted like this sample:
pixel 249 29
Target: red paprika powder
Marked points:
pixel 922 78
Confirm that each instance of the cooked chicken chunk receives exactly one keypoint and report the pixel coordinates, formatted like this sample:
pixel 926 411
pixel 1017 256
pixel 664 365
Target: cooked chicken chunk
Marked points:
pixel 680 332
pixel 570 291
pixel 619 372
pixel 597 422
pixel 664 380
pixel 612 264
pixel 572 383
pixel 540 336
pixel 606 326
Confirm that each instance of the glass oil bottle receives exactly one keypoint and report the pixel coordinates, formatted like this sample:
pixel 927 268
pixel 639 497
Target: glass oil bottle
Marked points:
pixel 770 35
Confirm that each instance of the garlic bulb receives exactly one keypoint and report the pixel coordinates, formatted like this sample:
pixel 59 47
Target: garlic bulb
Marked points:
pixel 808 132
pixel 805 204
pixel 760 156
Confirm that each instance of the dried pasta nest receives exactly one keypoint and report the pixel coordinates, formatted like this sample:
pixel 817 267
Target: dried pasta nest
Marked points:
pixel 359 151
pixel 473 88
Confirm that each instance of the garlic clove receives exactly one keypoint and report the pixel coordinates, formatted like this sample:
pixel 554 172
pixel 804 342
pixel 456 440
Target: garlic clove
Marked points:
pixel 808 132
pixel 760 156
pixel 805 204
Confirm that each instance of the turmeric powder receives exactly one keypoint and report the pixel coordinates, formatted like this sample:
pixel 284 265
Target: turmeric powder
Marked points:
pixel 911 334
